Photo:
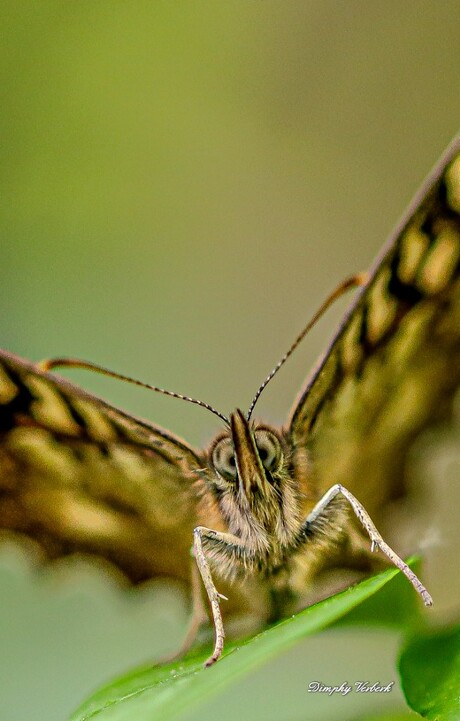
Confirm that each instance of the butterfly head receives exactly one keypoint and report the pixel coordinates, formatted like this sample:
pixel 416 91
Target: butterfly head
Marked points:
pixel 249 463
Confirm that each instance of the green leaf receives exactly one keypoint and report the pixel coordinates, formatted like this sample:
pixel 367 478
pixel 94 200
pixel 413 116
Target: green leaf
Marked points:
pixel 395 606
pixel 430 674
pixel 167 691
pixel 394 716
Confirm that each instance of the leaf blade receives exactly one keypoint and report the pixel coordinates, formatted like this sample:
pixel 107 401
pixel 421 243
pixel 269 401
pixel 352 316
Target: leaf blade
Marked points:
pixel 167 691
pixel 429 666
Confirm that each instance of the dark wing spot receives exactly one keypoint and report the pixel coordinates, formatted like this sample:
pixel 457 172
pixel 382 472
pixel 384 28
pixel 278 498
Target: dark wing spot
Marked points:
pixel 18 406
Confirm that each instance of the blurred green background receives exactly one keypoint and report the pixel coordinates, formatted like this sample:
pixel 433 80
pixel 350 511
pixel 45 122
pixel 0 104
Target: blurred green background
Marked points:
pixel 182 183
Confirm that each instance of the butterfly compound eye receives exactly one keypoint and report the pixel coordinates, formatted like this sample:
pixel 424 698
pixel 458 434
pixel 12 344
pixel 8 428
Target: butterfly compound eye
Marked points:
pixel 223 459
pixel 269 448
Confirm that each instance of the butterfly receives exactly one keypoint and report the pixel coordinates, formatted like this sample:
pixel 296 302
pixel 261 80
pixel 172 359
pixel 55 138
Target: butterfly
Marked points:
pixel 257 524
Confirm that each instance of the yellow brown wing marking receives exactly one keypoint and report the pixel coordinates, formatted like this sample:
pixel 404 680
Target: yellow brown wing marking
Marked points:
pixel 98 426
pixel 419 269
pixel 381 312
pixel 441 261
pixel 49 409
pixel 8 389
pixel 394 366
pixel 80 476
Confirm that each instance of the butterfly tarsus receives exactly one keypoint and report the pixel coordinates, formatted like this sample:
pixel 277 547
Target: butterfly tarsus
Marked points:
pixel 377 541
pixel 229 548
pixel 213 595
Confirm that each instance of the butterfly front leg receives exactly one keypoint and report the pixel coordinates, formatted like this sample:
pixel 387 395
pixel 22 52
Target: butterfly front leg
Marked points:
pixel 377 541
pixel 230 550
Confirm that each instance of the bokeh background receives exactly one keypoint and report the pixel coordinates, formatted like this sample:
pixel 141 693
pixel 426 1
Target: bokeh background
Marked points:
pixel 181 185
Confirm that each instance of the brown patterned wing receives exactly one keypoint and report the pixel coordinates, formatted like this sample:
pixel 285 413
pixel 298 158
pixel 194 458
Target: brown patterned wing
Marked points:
pixel 80 476
pixel 394 365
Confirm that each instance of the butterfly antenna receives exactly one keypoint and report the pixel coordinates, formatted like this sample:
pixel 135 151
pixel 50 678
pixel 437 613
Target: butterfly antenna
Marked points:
pixel 353 282
pixel 47 365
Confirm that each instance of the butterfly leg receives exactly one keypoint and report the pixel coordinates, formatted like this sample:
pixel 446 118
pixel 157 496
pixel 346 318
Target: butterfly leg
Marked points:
pixel 228 548
pixel 376 539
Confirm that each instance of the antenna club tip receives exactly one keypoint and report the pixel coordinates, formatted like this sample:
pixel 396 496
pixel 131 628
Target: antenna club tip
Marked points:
pixel 44 366
pixel 362 278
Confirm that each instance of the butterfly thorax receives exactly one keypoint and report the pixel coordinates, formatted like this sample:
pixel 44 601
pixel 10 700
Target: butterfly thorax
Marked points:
pixel 252 482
